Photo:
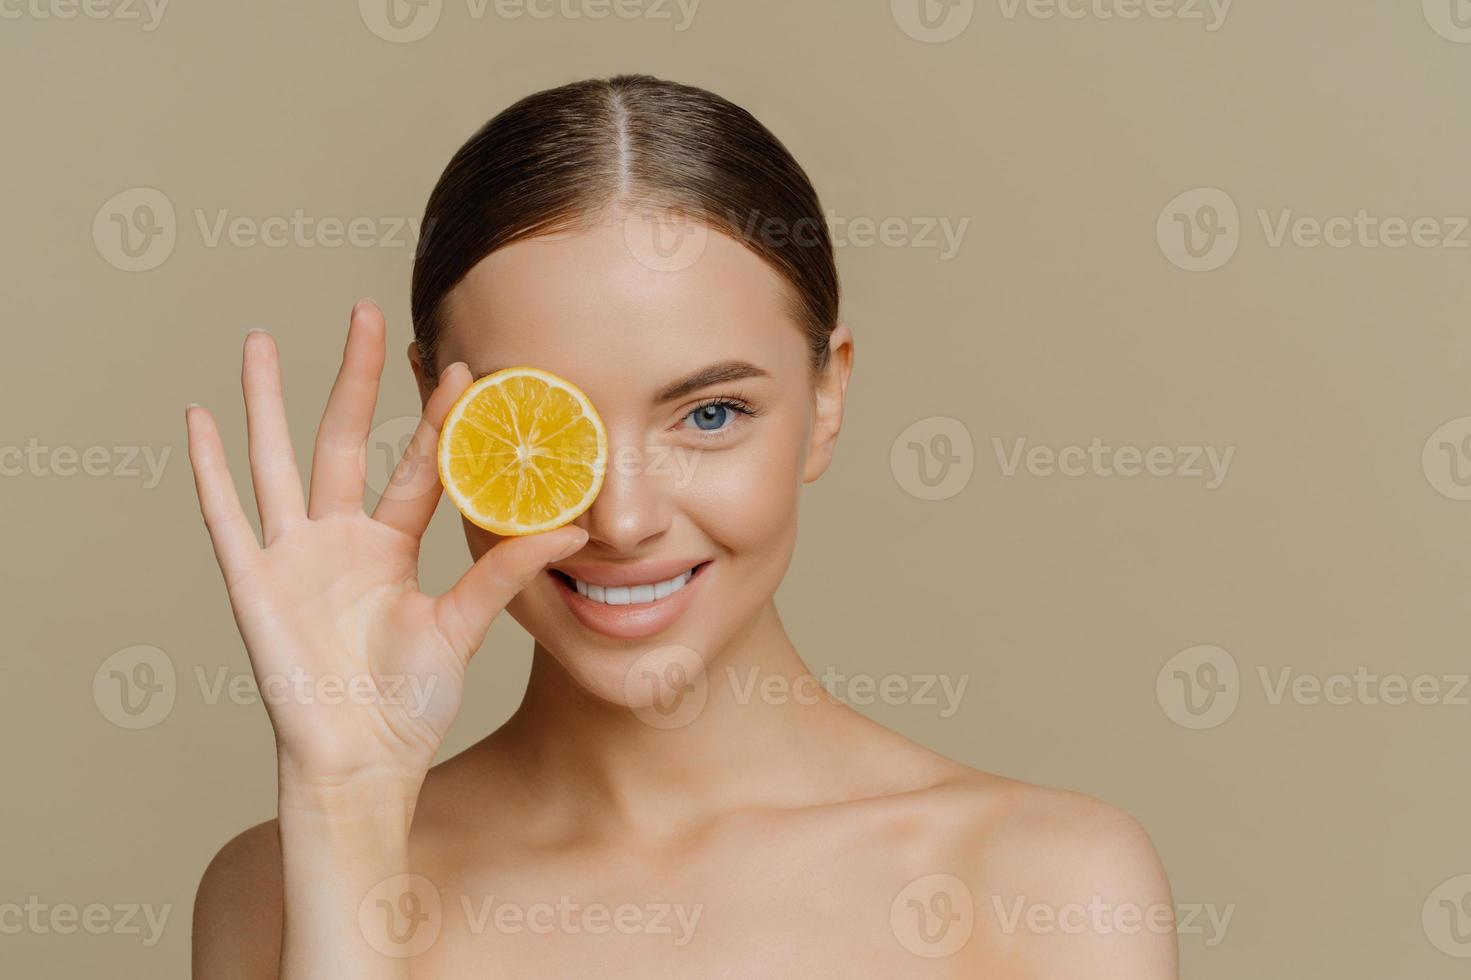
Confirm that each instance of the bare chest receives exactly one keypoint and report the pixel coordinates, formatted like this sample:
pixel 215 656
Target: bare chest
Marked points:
pixel 782 906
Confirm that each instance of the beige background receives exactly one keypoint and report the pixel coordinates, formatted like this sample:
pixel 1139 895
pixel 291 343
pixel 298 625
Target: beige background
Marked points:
pixel 1333 544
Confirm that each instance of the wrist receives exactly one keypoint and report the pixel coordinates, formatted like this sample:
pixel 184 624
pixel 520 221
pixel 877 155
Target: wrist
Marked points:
pixel 342 842
pixel 387 795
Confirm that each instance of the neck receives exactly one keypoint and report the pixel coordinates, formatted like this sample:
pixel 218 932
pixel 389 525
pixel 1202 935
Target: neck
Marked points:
pixel 758 741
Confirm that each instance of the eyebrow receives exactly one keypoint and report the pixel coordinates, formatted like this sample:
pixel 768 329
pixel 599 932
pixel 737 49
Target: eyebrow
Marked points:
pixel 720 372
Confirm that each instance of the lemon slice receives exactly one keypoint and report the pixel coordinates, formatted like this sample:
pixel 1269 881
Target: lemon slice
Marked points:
pixel 522 451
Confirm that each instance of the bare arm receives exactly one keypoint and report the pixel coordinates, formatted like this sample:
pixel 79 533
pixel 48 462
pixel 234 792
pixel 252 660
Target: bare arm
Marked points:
pixel 329 605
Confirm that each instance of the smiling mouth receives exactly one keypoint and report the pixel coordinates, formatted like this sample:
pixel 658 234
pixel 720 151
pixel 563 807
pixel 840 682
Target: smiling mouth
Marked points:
pixel 630 595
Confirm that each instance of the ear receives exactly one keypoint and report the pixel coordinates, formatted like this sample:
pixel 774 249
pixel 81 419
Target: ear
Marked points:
pixel 831 389
pixel 421 376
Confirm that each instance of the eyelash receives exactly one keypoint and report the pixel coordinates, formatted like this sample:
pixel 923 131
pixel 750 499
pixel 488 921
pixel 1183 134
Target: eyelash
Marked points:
pixel 734 402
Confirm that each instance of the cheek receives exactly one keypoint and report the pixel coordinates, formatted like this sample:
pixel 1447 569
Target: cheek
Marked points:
pixel 745 497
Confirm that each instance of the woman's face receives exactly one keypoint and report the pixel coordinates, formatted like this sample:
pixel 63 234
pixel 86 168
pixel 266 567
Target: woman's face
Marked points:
pixel 699 474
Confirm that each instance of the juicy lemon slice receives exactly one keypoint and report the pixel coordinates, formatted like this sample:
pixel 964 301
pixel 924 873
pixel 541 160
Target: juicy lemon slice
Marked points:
pixel 522 451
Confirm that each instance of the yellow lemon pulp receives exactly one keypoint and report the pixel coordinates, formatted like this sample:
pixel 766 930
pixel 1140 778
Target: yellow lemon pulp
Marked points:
pixel 522 451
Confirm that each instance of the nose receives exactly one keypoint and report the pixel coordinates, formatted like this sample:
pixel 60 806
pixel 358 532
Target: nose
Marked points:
pixel 634 507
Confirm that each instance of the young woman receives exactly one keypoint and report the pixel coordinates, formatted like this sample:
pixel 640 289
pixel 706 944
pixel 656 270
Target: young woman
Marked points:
pixel 647 812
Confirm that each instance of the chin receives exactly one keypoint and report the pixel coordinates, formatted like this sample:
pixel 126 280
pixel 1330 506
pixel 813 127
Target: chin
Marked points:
pixel 663 679
pixel 646 676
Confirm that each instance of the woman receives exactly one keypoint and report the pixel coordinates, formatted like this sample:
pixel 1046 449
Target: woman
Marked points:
pixel 648 811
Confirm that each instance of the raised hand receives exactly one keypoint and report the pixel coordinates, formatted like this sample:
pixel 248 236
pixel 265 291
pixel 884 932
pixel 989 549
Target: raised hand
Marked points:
pixel 361 672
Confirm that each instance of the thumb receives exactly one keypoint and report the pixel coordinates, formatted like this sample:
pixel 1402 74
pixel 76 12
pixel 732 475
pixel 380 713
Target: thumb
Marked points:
pixel 471 605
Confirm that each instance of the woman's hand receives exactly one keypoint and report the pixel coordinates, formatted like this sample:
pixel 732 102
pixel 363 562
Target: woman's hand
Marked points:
pixel 361 672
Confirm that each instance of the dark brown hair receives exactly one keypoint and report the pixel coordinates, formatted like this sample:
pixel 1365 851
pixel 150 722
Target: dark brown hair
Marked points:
pixel 559 159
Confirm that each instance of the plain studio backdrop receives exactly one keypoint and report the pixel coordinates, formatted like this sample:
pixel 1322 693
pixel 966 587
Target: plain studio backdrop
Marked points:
pixel 1156 452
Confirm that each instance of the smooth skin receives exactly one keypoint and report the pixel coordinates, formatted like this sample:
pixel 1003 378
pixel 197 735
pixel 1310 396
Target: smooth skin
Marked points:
pixel 761 835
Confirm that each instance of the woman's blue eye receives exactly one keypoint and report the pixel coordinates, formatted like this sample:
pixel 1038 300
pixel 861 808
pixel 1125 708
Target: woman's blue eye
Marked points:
pixel 712 414
pixel 715 417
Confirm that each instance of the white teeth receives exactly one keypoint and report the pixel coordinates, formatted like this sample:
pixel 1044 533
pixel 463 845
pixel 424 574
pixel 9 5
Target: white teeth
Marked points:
pixel 626 595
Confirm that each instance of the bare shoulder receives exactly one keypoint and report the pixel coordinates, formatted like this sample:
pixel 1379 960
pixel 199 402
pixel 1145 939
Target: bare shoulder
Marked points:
pixel 1062 883
pixel 1010 817
pixel 237 909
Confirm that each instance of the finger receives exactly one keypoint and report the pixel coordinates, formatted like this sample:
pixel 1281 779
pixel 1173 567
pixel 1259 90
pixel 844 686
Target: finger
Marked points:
pixel 337 465
pixel 272 461
pixel 229 531
pixel 467 610
pixel 414 490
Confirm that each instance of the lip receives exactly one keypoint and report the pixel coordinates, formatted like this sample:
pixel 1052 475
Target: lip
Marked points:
pixel 629 622
pixel 612 573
